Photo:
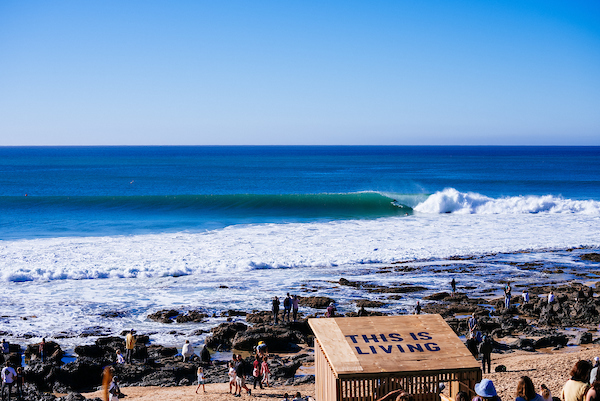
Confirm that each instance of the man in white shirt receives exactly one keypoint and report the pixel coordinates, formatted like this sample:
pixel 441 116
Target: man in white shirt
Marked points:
pixel 8 379
pixel 187 351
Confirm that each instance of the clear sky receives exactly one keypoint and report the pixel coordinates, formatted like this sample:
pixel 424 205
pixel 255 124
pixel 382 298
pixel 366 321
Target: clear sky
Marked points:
pixel 300 72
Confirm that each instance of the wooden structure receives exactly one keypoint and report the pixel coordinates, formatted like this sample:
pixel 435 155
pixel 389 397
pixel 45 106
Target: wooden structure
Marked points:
pixel 365 358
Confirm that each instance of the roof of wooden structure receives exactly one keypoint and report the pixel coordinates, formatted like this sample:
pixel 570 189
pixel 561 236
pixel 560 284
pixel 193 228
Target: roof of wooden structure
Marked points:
pixel 384 344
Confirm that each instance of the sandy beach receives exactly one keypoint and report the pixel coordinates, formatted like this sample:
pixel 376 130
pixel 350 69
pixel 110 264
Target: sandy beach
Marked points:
pixel 545 366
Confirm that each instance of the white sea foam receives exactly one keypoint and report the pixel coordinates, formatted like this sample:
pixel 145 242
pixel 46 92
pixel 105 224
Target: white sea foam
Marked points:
pixel 452 201
pixel 63 284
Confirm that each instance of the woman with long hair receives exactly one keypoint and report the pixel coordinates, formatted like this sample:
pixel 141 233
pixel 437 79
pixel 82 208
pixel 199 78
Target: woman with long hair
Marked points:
pixel 526 390
pixel 593 393
pixel 107 376
pixel 576 387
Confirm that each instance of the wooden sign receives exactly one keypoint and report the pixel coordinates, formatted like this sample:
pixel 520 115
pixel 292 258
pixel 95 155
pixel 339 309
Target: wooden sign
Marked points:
pixel 377 344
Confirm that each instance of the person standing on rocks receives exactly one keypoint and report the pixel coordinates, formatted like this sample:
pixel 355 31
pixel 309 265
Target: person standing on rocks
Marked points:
pixel 295 302
pixel 8 379
pixel 42 350
pixel 418 308
pixel 129 346
pixel 453 285
pixel 551 298
pixel 275 310
pixel 330 310
pixel 525 296
pixel 5 349
pixel 507 296
pixel 187 351
pixel 473 325
pixel 287 307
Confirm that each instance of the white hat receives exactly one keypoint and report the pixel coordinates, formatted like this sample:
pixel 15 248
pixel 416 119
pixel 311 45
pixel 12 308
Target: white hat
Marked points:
pixel 596 359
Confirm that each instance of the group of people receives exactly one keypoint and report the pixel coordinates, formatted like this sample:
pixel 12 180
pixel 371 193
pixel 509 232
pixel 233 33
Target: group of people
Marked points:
pixel 290 307
pixel 10 378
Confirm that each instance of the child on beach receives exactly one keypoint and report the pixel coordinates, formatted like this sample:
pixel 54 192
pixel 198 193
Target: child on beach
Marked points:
pixel 201 380
pixel 265 371
pixel 231 374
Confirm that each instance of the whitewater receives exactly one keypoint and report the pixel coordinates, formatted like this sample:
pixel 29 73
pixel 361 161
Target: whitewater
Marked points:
pixel 64 286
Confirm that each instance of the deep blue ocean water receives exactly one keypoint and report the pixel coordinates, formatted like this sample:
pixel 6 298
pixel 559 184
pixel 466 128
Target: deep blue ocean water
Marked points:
pixel 95 191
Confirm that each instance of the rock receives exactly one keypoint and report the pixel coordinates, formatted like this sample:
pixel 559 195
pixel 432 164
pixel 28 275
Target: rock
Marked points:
pixel 315 302
pixel 593 257
pixel 164 316
pixel 551 341
pixel 54 353
pixel 583 338
pixel 222 335
pixel 277 338
pixel 367 303
pixel 72 397
pixel 191 316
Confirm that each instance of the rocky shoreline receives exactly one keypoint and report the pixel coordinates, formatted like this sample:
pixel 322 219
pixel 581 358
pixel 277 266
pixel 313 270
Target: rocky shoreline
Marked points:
pixel 572 319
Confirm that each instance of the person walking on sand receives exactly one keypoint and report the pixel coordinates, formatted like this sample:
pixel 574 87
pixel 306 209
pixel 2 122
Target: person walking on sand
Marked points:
pixel 129 346
pixel 201 379
pixel 231 374
pixel 295 302
pixel 485 349
pixel 265 371
pixel 577 386
pixel 257 372
pixel 240 376
pixel 275 310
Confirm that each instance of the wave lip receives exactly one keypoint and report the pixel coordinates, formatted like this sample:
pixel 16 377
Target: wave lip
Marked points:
pixel 451 200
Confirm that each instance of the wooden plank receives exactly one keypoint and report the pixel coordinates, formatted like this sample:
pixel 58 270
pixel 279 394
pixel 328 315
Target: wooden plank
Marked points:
pixel 335 347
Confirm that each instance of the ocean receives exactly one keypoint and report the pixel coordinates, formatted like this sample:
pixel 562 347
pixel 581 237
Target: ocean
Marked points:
pixel 93 239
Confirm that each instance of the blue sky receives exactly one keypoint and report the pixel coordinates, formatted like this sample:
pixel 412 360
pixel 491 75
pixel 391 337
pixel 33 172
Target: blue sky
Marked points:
pixel 303 72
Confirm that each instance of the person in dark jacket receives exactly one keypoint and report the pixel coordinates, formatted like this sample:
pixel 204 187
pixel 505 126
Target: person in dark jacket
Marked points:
pixel 485 349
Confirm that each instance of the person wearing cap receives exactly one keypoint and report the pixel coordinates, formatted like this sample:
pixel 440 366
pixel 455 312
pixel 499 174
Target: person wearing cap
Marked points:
pixel 486 391
pixel 577 386
pixel 594 371
pixel 129 345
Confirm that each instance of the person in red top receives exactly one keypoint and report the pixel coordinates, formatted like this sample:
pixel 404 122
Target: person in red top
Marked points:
pixel 257 372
